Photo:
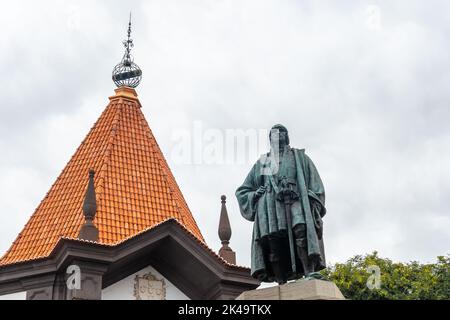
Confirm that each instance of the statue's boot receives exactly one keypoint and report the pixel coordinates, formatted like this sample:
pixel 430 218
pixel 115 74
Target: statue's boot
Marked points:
pixel 277 269
pixel 307 263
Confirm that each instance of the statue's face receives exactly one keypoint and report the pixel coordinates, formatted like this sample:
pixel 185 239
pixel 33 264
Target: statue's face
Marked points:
pixel 279 135
pixel 283 136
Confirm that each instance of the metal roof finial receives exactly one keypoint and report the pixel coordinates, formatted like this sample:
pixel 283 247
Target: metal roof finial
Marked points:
pixel 127 73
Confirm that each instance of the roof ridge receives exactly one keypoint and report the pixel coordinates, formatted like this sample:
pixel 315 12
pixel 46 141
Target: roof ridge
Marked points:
pixel 164 169
pixel 170 179
pixel 30 219
pixel 110 145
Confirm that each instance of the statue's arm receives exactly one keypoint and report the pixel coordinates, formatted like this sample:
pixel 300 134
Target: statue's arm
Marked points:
pixel 316 190
pixel 245 195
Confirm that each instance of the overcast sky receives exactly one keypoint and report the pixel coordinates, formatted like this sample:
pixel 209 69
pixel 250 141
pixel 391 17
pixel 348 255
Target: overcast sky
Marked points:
pixel 363 86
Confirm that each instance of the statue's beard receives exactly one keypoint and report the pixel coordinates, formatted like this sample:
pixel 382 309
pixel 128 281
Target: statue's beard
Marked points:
pixel 280 145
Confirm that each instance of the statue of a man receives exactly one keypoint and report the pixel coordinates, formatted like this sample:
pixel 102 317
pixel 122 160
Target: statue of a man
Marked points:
pixel 284 196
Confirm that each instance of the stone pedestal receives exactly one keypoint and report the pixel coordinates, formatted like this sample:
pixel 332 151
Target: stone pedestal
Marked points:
pixel 298 290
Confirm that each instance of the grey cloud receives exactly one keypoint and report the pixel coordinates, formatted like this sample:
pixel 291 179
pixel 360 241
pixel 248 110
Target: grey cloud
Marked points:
pixel 369 106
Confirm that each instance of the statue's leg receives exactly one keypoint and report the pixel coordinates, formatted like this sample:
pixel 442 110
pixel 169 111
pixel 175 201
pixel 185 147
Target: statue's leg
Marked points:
pixel 302 248
pixel 275 260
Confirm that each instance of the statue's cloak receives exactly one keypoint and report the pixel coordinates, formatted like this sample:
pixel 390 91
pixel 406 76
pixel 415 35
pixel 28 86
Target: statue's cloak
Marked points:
pixel 269 215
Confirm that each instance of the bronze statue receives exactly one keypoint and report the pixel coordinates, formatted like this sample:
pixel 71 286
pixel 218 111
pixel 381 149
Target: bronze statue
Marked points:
pixel 284 196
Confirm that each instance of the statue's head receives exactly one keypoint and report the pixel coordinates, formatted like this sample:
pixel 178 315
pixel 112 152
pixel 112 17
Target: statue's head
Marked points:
pixel 279 133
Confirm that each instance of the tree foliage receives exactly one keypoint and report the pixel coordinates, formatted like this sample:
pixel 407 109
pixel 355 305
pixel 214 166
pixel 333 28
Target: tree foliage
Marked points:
pixel 405 281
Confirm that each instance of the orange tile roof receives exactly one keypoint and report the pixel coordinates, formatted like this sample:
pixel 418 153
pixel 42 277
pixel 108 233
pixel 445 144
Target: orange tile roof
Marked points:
pixel 134 185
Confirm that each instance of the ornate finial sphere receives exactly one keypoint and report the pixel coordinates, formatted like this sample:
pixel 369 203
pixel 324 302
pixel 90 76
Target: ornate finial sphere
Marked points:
pixel 127 73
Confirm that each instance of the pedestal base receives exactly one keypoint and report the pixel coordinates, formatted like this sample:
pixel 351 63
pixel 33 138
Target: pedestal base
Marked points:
pixel 298 290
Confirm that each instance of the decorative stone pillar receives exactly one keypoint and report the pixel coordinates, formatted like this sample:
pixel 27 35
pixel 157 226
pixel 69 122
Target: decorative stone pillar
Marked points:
pixel 225 234
pixel 89 230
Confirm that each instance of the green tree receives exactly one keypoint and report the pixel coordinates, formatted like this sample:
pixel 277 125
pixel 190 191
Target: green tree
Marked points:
pixel 405 281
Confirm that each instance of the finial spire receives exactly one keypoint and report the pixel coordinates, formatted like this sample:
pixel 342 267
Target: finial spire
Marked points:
pixel 129 28
pixel 128 44
pixel 225 234
pixel 89 231
pixel 127 73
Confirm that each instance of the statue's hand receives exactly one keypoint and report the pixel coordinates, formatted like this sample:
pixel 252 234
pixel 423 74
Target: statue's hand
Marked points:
pixel 261 190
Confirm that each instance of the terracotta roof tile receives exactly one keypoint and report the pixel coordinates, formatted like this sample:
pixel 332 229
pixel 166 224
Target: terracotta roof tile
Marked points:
pixel 134 185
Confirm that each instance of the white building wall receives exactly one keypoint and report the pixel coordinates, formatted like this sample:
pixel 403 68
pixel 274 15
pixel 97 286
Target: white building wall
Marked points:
pixel 125 289
pixel 15 296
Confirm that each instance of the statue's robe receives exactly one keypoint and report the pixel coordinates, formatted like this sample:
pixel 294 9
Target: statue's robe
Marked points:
pixel 269 215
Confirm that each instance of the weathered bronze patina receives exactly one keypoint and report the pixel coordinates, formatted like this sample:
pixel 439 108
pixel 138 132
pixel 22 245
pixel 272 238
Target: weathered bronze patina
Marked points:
pixel 284 196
